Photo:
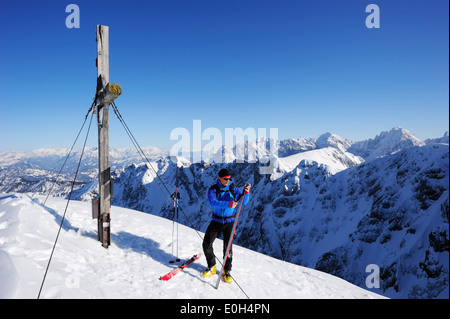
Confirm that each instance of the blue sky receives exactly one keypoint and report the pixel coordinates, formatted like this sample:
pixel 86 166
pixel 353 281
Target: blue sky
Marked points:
pixel 304 67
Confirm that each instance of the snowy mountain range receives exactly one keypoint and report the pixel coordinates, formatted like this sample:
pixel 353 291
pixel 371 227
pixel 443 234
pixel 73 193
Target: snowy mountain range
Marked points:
pixel 328 203
pixel 36 171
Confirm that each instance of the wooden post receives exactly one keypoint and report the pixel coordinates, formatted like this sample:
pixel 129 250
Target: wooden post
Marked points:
pixel 106 93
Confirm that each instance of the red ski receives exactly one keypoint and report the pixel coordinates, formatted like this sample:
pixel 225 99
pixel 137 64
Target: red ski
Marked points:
pixel 180 267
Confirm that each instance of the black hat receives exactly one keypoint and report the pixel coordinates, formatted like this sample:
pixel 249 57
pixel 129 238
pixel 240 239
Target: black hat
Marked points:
pixel 224 172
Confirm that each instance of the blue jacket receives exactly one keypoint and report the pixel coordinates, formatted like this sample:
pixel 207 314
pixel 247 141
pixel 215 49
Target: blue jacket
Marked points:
pixel 222 213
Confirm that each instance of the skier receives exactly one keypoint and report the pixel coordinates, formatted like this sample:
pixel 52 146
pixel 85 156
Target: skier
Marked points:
pixel 223 197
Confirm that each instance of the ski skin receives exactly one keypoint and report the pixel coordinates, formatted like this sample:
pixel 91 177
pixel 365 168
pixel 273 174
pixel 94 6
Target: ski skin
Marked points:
pixel 175 271
pixel 230 242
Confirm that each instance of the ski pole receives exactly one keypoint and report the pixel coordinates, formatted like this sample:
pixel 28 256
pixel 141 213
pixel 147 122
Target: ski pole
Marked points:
pixel 175 196
pixel 230 242
pixel 173 224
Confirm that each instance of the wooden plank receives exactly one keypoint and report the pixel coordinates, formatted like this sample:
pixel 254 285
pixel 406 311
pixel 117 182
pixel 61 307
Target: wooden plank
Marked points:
pixel 102 56
pixel 104 176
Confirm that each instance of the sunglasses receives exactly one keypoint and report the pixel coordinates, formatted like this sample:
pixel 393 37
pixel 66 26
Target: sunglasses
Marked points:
pixel 226 178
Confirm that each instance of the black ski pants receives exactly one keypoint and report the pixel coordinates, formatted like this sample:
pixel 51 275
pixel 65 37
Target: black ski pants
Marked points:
pixel 212 232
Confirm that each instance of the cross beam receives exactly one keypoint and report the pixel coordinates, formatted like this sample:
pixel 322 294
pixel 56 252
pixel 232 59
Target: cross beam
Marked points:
pixel 106 93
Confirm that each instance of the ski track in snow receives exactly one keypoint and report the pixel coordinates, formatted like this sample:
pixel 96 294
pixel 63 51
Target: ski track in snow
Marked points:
pixel 139 254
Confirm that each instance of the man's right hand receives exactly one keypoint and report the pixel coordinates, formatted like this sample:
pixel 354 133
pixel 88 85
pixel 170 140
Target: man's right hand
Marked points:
pixel 232 204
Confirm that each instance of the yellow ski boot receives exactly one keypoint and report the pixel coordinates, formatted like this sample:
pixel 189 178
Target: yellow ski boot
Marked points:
pixel 227 277
pixel 209 272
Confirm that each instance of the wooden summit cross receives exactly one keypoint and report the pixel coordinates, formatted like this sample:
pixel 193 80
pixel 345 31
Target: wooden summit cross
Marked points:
pixel 106 93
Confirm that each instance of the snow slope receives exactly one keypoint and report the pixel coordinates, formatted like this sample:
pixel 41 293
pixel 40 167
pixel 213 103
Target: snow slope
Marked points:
pixel 138 256
pixel 334 159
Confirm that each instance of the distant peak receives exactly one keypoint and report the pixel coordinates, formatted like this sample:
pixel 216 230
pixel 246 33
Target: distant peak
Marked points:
pixel 329 139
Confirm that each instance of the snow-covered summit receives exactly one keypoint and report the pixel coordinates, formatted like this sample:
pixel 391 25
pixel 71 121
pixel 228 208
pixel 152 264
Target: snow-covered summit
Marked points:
pixel 332 140
pixel 224 155
pixel 385 143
